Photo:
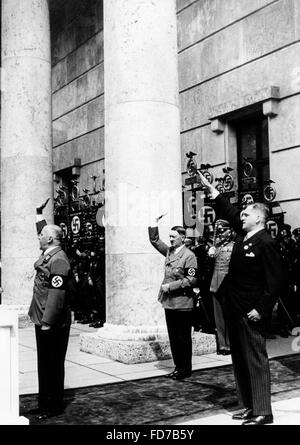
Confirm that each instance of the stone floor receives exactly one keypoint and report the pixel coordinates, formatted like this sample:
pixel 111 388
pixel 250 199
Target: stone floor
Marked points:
pixel 84 370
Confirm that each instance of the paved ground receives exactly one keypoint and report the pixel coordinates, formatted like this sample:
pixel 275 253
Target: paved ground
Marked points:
pixel 86 370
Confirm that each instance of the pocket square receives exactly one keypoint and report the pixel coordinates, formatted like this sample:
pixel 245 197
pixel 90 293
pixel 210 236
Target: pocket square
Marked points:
pixel 251 254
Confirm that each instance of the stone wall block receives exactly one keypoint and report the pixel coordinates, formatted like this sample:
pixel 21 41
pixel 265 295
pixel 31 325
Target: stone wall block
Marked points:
pixel 196 103
pixel 84 119
pixel 256 35
pixel 206 17
pixel 63 155
pixel 208 146
pixel 76 93
pixel 284 130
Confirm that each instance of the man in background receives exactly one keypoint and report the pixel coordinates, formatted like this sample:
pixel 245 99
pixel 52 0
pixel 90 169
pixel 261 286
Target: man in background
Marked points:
pixel 221 254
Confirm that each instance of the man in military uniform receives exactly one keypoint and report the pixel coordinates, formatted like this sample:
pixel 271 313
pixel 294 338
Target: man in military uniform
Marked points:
pixel 221 253
pixel 176 296
pixel 286 307
pixel 50 312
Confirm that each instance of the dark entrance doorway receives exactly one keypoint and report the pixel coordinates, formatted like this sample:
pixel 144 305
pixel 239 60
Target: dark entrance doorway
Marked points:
pixel 253 157
pixel 253 167
pixel 80 215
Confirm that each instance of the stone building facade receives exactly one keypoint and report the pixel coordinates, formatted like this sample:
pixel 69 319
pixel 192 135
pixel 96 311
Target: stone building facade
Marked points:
pixel 237 60
pixel 231 54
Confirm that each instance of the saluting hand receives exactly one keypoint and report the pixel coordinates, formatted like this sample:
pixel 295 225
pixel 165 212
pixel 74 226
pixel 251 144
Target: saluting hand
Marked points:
pixel 213 192
pixel 161 216
pixel 254 315
pixel 40 209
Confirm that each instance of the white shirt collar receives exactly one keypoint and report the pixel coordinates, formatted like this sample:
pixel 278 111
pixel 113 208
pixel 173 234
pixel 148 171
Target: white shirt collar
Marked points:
pixel 49 249
pixel 253 232
pixel 178 249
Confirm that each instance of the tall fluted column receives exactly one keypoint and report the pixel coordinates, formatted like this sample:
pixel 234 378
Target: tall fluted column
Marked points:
pixel 26 150
pixel 142 172
pixel 142 176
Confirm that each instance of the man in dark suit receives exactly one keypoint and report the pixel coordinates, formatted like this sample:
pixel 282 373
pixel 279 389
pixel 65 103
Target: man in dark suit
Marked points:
pixel 254 281
pixel 50 312
pixel 176 296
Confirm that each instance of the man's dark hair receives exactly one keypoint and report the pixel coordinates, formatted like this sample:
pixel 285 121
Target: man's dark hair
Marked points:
pixel 179 229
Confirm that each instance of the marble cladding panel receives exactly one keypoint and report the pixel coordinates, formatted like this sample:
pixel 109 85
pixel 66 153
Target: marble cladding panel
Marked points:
pixel 280 69
pixel 205 17
pixel 88 148
pixel 59 75
pixel 183 3
pixel 85 57
pixel 284 129
pixel 76 93
pixel 79 23
pixel 72 9
pixel 132 285
pixel 78 122
pixel 141 351
pixel 62 45
pixel 93 169
pixel 297 19
pixel 256 35
pixel 284 166
pixel 208 146
pixel 78 62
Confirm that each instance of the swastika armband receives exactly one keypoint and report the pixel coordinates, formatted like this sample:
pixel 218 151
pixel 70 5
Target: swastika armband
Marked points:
pixel 190 272
pixel 57 281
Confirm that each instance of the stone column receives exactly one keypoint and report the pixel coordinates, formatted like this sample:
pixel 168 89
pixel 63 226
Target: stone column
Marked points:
pixel 142 150
pixel 9 370
pixel 26 161
pixel 142 172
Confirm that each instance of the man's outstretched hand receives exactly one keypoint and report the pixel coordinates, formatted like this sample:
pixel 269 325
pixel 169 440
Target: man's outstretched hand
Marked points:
pixel 161 216
pixel 39 210
pixel 212 191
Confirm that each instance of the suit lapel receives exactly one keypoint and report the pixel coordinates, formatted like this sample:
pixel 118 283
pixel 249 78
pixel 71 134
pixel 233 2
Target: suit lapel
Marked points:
pixel 255 238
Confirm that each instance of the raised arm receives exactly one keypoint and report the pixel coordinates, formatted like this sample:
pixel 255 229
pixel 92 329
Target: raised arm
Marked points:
pixel 224 209
pixel 40 220
pixel 154 237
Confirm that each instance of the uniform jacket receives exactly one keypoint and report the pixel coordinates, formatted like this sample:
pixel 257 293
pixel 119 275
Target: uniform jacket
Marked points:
pixel 49 302
pixel 221 265
pixel 180 274
pixel 256 275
